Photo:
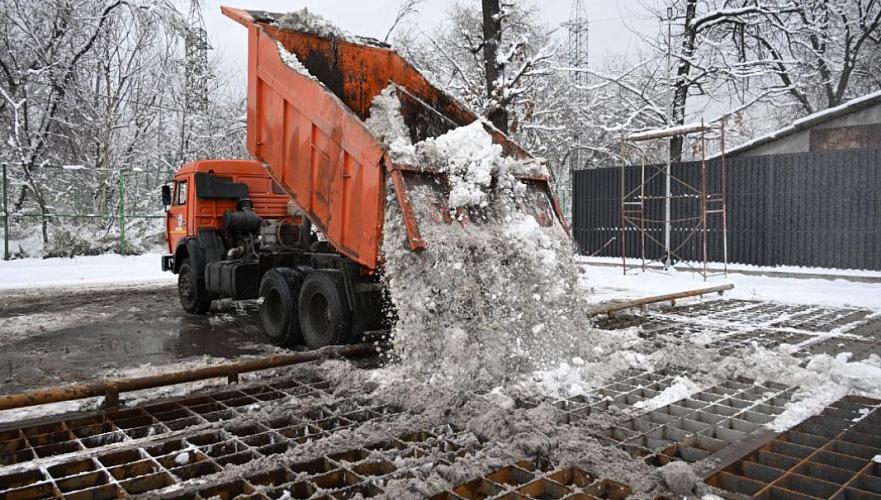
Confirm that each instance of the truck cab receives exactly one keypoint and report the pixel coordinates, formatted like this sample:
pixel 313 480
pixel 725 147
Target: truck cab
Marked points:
pixel 204 190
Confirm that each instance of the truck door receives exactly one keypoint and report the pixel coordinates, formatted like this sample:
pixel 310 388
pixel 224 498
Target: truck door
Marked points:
pixel 177 217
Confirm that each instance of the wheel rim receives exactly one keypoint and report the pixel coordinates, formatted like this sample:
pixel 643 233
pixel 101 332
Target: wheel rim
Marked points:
pixel 185 286
pixel 319 314
pixel 272 310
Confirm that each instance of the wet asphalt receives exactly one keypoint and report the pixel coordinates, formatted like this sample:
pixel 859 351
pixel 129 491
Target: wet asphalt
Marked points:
pixel 57 337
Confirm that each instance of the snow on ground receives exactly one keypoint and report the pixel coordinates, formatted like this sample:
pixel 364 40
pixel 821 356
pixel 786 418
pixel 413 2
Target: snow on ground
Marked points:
pixel 750 268
pixel 608 283
pixel 109 269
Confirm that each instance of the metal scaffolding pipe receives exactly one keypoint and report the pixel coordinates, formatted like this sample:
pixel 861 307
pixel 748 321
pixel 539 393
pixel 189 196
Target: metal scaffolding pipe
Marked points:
pixel 660 133
pixel 659 298
pixel 112 388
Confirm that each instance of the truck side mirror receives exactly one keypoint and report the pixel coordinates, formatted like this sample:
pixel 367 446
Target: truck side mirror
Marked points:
pixel 166 195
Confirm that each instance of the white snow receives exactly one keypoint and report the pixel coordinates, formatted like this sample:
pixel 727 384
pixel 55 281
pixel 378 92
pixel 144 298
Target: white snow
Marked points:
pixel 182 458
pixel 667 132
pixel 682 388
pixel 471 159
pixel 109 269
pixel 609 283
pixel 735 267
pixel 487 300
pixel 387 124
pixel 309 22
pixel 825 380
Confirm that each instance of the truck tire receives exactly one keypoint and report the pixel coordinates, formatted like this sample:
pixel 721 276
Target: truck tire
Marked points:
pixel 280 291
pixel 325 317
pixel 191 289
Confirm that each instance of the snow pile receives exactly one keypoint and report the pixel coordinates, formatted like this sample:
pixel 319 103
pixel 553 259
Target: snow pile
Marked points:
pixel 826 380
pixel 309 22
pixel 108 269
pixel 469 157
pixel 494 296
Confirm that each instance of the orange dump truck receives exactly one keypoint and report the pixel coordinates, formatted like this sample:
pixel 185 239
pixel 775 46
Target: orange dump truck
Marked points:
pixel 247 229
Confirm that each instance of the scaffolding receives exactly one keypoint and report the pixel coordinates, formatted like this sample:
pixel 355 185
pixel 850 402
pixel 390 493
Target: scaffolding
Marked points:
pixel 633 200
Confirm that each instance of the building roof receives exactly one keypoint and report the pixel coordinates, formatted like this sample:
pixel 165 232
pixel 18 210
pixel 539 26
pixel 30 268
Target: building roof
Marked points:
pixel 809 121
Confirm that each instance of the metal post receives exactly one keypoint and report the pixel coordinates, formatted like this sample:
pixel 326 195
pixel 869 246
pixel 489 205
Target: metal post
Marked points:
pixel 668 260
pixel 623 216
pixel 5 215
pixel 724 205
pixel 642 212
pixel 121 212
pixel 704 198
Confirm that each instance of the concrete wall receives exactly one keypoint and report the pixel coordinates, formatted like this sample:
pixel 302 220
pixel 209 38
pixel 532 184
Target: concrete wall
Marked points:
pixel 800 142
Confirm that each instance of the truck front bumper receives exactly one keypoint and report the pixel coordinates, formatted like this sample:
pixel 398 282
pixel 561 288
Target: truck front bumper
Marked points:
pixel 168 263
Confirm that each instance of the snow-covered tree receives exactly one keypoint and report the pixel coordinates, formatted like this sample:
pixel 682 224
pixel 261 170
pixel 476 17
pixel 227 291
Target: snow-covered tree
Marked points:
pixel 803 56
pixel 90 89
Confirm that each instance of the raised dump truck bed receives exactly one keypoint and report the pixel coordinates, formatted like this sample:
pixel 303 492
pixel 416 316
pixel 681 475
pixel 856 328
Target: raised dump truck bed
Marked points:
pixel 310 132
pixel 308 99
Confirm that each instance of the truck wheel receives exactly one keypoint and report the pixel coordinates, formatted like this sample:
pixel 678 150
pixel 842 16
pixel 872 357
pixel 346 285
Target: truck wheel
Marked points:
pixel 191 290
pixel 325 318
pixel 280 290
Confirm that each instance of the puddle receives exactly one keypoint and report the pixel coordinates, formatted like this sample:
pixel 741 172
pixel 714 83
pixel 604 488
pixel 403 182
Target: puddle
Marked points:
pixel 135 332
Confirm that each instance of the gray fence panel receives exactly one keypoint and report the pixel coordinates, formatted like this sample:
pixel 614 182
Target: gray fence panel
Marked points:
pixel 806 209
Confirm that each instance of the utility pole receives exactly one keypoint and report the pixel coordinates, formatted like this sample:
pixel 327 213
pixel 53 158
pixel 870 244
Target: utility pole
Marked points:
pixel 196 72
pixel 577 26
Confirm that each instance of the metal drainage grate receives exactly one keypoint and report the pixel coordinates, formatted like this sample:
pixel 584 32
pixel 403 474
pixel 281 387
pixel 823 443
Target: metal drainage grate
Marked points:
pixel 690 429
pixel 763 338
pixel 799 317
pixel 59 437
pixel 621 391
pixel 526 480
pixel 360 471
pixel 230 435
pixel 832 455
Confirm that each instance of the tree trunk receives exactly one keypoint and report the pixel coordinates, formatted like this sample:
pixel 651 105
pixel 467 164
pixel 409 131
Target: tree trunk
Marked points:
pixel 492 36
pixel 681 86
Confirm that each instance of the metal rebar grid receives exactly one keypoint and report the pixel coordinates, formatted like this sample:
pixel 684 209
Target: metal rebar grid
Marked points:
pixel 528 480
pixel 737 324
pixel 690 429
pixel 96 459
pixel 832 455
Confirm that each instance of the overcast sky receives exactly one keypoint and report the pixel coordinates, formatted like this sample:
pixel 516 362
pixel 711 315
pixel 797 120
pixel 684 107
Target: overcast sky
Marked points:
pixel 612 23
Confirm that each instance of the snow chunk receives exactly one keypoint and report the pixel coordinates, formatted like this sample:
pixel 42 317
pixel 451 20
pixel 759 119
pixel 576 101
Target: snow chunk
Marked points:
pixel 471 158
pixel 681 388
